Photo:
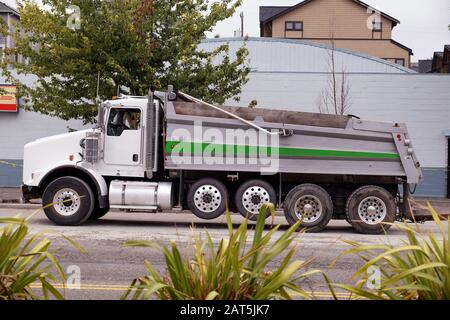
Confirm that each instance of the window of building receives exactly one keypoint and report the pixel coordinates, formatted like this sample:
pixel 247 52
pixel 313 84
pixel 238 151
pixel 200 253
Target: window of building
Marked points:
pixel 377 26
pixel 294 26
pixel 400 62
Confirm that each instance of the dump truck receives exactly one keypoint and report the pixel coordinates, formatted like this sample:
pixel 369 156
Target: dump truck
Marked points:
pixel 170 150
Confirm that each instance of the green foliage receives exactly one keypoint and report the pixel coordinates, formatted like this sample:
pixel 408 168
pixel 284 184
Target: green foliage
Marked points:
pixel 24 260
pixel 233 271
pixel 417 270
pixel 253 104
pixel 131 43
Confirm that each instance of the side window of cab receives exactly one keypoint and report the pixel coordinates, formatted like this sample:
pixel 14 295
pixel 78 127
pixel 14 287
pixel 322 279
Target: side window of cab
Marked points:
pixel 121 119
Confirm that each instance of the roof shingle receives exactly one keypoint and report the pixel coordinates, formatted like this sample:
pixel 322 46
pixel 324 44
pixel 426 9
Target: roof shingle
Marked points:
pixel 265 13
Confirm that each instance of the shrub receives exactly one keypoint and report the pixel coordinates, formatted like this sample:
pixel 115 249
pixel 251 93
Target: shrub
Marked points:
pixel 24 260
pixel 233 271
pixel 417 270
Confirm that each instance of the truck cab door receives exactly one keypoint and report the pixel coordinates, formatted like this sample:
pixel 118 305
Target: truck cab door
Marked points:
pixel 123 138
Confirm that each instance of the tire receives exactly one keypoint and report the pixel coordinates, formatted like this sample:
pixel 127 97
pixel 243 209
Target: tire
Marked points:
pixel 320 207
pixel 208 198
pixel 382 210
pixel 78 201
pixel 251 195
pixel 98 213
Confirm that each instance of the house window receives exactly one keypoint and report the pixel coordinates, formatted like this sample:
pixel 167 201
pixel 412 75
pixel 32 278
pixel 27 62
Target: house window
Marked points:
pixel 294 25
pixel 400 62
pixel 377 26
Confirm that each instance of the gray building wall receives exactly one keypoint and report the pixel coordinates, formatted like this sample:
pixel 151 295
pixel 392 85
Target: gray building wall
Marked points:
pixel 16 130
pixel 19 128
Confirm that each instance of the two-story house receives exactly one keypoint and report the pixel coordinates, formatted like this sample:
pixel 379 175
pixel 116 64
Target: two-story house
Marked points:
pixel 349 24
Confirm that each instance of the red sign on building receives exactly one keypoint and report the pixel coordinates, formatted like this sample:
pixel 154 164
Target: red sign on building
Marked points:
pixel 8 98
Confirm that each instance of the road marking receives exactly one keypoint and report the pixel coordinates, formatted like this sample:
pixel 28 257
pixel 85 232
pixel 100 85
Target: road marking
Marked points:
pixel 113 287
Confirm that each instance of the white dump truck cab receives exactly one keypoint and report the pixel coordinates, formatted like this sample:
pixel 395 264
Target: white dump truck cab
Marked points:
pixel 171 149
pixel 68 169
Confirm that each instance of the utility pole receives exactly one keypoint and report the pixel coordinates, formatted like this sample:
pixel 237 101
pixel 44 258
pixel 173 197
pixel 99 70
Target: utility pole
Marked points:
pixel 242 24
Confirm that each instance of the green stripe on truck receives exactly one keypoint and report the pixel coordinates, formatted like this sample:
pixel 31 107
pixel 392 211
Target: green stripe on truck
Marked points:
pixel 221 149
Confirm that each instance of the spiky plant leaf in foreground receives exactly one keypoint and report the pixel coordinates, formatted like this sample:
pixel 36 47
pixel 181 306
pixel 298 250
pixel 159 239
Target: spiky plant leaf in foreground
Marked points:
pixel 417 270
pixel 25 260
pixel 234 270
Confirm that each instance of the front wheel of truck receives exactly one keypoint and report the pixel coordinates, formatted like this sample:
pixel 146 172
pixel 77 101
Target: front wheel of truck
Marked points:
pixel 68 201
pixel 371 210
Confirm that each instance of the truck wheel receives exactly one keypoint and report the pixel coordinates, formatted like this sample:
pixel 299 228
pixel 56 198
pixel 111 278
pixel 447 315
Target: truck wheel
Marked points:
pixel 251 195
pixel 369 208
pixel 72 199
pixel 208 198
pixel 311 204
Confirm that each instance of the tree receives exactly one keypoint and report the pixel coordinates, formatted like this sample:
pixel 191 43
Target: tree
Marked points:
pixel 129 43
pixel 335 97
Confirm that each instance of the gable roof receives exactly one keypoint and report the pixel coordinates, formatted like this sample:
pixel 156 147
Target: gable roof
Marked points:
pixel 279 13
pixel 265 13
pixel 4 8
pixel 398 44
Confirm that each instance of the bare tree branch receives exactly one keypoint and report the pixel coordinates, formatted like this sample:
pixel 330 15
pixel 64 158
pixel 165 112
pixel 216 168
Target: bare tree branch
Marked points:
pixel 335 97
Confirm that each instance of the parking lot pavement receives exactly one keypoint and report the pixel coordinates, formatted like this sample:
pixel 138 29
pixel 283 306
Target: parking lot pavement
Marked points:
pixel 107 267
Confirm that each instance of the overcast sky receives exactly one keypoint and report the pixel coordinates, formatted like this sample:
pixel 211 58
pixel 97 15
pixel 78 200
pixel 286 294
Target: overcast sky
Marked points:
pixel 423 27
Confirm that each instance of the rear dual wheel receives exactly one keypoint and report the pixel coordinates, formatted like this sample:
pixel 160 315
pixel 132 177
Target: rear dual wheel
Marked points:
pixel 371 210
pixel 310 204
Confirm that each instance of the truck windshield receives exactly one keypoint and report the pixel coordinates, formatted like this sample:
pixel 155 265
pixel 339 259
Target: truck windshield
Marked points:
pixel 121 119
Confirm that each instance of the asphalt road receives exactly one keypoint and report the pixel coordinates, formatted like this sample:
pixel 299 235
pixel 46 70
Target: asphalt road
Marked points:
pixel 107 267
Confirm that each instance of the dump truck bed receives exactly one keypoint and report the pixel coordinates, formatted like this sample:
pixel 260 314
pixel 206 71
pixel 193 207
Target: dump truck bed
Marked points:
pixel 319 143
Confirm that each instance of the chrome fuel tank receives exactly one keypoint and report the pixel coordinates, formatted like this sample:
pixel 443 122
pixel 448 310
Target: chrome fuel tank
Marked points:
pixel 140 195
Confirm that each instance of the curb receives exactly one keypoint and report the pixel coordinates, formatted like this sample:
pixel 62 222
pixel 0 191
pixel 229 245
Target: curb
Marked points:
pixel 36 206
pixel 20 206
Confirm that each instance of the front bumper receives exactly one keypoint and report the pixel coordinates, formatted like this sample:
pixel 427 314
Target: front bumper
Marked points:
pixel 29 193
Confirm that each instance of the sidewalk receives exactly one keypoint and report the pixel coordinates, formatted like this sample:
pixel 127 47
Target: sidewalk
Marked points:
pixel 10 195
